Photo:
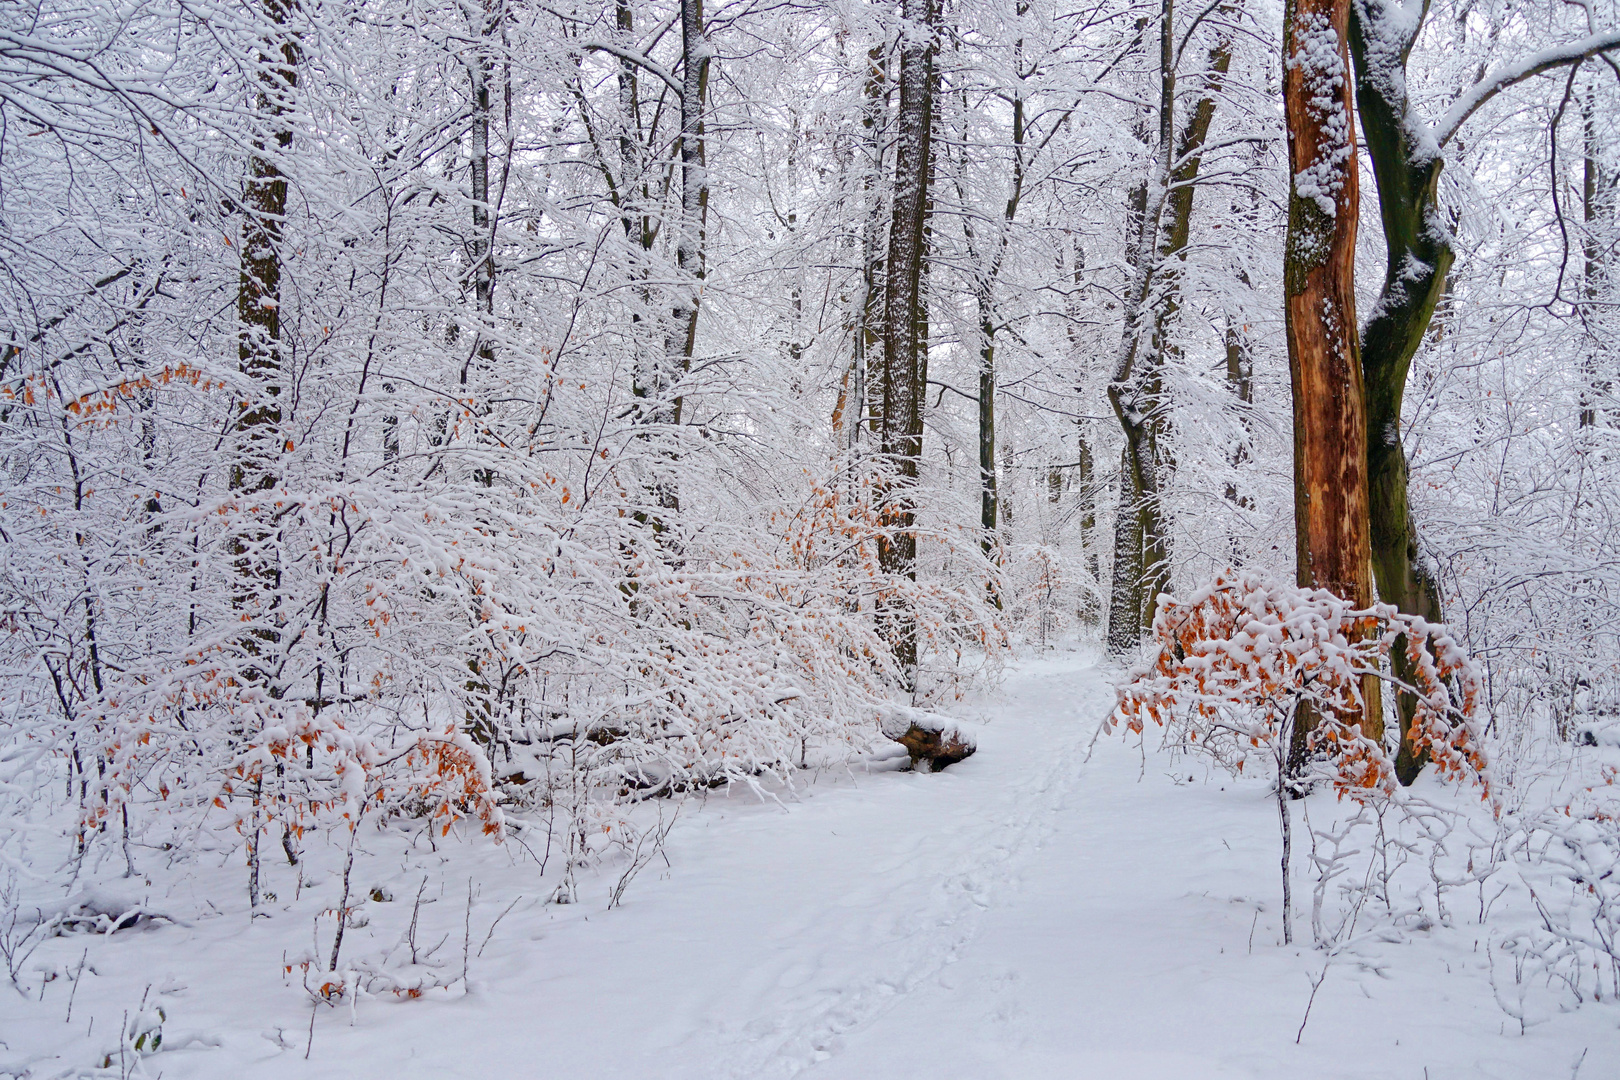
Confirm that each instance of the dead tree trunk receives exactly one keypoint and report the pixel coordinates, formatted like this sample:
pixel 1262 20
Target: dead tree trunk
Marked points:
pixel 1333 547
pixel 906 318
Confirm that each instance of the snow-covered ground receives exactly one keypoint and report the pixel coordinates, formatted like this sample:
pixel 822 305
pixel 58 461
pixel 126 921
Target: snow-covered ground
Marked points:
pixel 1057 906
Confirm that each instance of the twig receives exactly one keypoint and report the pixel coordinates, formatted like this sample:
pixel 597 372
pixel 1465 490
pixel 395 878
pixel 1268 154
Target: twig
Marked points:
pixel 1316 984
pixel 75 993
pixel 466 936
pixel 343 905
pixel 494 924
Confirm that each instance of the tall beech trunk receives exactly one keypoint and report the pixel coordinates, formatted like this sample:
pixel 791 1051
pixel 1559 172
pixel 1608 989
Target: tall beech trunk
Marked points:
pixel 906 317
pixel 1141 544
pixel 689 242
pixel 1183 177
pixel 1163 217
pixel 1333 546
pixel 985 299
pixel 1407 159
pixel 481 72
pixel 257 443
pixel 987 260
pixel 1420 256
pixel 255 468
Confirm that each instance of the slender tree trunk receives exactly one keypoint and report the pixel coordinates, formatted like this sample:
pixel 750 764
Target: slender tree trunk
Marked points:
pixel 1183 177
pixel 481 250
pixel 1333 547
pixel 257 449
pixel 1141 568
pixel 1240 379
pixel 906 316
pixel 984 295
pixel 481 72
pixel 1240 363
pixel 868 303
pixel 1090 609
pixel 689 242
pixel 1597 206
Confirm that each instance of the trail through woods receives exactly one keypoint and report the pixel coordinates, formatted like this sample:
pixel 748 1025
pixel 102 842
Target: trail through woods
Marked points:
pixel 1052 907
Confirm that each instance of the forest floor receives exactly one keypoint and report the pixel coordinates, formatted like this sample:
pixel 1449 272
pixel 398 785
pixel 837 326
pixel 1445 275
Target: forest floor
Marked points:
pixel 1059 905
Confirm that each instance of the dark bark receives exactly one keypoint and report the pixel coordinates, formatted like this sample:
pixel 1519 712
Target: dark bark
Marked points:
pixel 481 246
pixel 1597 212
pixel 906 317
pixel 1240 379
pixel 1420 256
pixel 257 449
pixel 1090 609
pixel 689 243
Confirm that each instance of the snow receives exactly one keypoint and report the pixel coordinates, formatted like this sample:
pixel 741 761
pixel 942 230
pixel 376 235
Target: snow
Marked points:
pixel 1319 57
pixel 1058 905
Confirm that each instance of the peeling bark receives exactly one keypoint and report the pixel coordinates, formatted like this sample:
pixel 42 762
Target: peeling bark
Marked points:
pixel 1333 545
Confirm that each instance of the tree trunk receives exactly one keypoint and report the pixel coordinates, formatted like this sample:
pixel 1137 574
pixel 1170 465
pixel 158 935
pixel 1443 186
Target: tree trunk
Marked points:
pixel 1141 569
pixel 1184 174
pixel 1419 244
pixel 257 443
pixel 868 305
pixel 985 296
pixel 481 250
pixel 1333 546
pixel 1420 255
pixel 689 242
pixel 905 319
pixel 1597 207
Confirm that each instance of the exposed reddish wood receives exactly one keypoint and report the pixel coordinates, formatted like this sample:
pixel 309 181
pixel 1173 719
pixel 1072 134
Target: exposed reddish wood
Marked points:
pixel 1333 542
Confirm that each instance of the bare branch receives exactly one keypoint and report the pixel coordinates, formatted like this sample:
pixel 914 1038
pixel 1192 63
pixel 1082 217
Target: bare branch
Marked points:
pixel 644 62
pixel 1524 68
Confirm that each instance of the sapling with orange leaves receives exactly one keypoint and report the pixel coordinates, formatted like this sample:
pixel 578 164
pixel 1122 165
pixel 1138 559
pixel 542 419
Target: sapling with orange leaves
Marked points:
pixel 1236 662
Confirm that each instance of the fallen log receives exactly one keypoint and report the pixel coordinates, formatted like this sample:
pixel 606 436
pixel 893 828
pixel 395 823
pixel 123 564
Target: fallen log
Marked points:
pixel 932 741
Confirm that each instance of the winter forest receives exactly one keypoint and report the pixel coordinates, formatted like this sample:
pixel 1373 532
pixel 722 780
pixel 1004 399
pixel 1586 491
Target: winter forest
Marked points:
pixel 977 538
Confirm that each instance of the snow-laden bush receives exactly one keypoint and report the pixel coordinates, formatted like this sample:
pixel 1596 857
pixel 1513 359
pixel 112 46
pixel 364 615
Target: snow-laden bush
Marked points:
pixel 1248 666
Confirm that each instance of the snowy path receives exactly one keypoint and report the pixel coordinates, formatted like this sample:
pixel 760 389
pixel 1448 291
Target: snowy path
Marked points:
pixel 778 935
pixel 1026 914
